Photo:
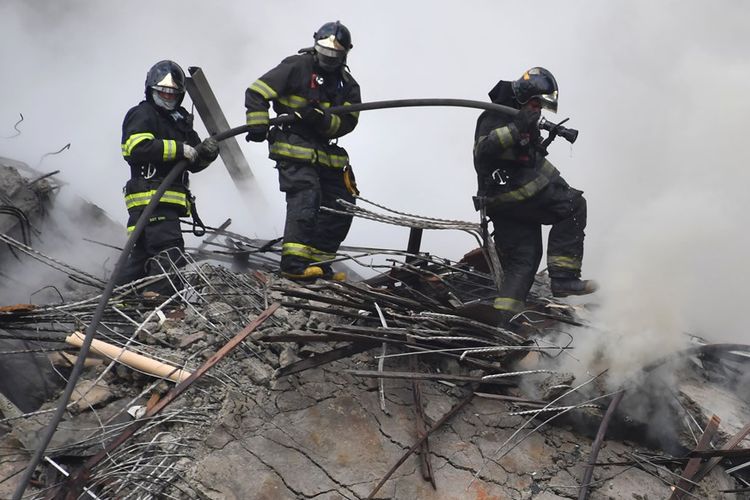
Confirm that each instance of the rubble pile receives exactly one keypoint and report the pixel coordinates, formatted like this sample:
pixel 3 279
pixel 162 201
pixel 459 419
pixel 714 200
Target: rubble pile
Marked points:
pixel 301 408
pixel 245 385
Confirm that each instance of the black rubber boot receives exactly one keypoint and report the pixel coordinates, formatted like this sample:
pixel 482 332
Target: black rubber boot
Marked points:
pixel 564 287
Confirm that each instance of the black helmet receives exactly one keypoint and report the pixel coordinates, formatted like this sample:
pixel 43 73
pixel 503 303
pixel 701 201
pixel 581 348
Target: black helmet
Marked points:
pixel 537 83
pixel 165 84
pixel 332 43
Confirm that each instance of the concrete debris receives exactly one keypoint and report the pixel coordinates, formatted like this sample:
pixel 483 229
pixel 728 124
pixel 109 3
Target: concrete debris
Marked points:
pixel 293 411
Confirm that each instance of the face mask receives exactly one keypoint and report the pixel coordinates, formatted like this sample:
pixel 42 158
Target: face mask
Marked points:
pixel 169 105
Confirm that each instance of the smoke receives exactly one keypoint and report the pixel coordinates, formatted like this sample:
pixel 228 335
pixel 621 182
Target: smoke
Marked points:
pixel 657 90
pixel 70 234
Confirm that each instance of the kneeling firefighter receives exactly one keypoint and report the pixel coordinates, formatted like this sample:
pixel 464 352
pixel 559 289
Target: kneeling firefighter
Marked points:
pixel 521 191
pixel 156 134
pixel 313 170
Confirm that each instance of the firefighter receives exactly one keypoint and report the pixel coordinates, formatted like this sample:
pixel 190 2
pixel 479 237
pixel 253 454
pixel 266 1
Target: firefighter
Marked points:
pixel 313 169
pixel 522 191
pixel 156 134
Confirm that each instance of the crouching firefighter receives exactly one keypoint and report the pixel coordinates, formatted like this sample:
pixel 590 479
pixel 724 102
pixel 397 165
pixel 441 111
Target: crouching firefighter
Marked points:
pixel 156 134
pixel 313 170
pixel 521 191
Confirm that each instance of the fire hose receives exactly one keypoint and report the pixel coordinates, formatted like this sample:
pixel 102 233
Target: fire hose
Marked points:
pixel 143 220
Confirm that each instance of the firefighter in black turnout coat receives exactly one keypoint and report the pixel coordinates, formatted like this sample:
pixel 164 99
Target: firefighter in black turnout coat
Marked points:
pixel 156 134
pixel 313 170
pixel 522 191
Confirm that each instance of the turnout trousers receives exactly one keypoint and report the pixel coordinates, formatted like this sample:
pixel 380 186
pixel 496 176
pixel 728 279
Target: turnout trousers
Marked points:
pixel 518 239
pixel 159 245
pixel 312 235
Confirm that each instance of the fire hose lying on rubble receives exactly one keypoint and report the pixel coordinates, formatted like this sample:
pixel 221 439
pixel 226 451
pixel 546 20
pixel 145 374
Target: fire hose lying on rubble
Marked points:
pixel 554 129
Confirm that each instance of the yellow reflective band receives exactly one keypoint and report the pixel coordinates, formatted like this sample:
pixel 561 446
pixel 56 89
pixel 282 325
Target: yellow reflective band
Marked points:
pixel 131 229
pixel 337 161
pixel 335 124
pixel 293 101
pixel 263 89
pixel 564 262
pixel 292 151
pixel 257 118
pixel 508 304
pixel 170 150
pixel 298 250
pixel 333 161
pixel 320 255
pixel 504 136
pixel 143 198
pixel 134 140
pixel 530 188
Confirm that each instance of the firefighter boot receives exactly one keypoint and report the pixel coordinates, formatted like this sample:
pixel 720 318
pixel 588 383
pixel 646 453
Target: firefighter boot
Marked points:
pixel 330 274
pixel 310 273
pixel 564 287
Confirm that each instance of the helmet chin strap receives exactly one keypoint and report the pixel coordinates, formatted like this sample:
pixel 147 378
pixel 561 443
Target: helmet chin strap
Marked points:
pixel 163 103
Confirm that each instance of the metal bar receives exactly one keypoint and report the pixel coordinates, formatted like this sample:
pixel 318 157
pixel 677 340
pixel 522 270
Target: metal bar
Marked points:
pixel 211 237
pixel 421 425
pixel 583 493
pixel 415 242
pixel 419 442
pixel 322 359
pixel 427 376
pixel 215 122
pixel 71 489
pixel 732 443
pixel 735 453
pixel 685 484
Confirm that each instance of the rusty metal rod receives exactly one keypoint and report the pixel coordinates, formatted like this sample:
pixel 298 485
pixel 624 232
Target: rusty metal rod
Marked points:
pixel 427 376
pixel 419 442
pixel 70 490
pixel 685 484
pixel 583 493
pixel 729 445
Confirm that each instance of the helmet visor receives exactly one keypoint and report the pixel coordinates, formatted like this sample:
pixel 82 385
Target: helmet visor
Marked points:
pixel 329 58
pixel 166 90
pixel 549 101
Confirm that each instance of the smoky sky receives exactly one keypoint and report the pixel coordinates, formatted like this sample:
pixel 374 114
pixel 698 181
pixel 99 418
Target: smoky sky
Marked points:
pixel 657 89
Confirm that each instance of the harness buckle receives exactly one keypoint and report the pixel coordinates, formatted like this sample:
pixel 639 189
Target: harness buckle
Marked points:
pixel 497 176
pixel 150 171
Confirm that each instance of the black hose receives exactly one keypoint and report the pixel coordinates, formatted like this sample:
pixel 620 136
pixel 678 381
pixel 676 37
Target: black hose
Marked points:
pixel 91 329
pixel 143 221
pixel 395 103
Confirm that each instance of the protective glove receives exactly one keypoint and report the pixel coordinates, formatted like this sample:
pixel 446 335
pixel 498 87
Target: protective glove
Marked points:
pixel 526 120
pixel 311 115
pixel 208 150
pixel 189 152
pixel 257 133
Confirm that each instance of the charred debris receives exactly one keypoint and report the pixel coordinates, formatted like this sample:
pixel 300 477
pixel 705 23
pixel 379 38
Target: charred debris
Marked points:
pixel 245 385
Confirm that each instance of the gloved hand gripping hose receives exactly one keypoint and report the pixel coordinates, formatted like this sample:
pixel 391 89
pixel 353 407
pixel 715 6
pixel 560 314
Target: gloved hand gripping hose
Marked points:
pixel 176 171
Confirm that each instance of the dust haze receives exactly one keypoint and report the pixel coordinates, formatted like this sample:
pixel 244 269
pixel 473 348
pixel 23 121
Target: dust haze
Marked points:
pixel 658 91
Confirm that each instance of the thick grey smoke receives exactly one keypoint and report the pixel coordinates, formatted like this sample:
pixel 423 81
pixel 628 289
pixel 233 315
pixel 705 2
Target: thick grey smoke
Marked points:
pixel 657 90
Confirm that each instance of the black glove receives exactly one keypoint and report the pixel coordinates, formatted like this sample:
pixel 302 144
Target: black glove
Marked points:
pixel 257 133
pixel 311 115
pixel 208 150
pixel 526 120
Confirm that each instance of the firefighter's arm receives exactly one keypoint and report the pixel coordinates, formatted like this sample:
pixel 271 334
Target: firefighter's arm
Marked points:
pixel 493 138
pixel 205 152
pixel 141 146
pixel 338 125
pixel 259 95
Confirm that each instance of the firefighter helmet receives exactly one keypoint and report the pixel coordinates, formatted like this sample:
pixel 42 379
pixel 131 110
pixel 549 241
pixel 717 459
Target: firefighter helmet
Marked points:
pixel 332 43
pixel 165 84
pixel 536 83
